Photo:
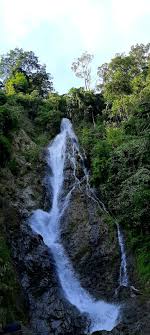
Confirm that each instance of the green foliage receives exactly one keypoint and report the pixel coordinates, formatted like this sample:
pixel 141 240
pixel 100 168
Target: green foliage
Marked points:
pixel 113 128
pixel 49 115
pixel 32 154
pixel 119 152
pixel 5 149
pixel 42 139
pixel 41 81
pixel 31 103
pixel 135 197
pixel 18 59
pixel 124 79
pixel 100 156
pixel 115 136
pixel 22 72
pixel 16 83
pixel 116 77
pixel 3 98
pixel 83 105
pixel 9 118
pixel 9 122
pixel 143 265
pixel 9 287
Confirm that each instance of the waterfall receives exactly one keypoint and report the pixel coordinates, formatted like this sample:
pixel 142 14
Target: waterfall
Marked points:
pixel 123 278
pixel 102 315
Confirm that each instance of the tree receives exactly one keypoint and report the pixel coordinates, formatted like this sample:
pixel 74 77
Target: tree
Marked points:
pixel 125 73
pixel 17 83
pixel 82 69
pixel 83 105
pixel 116 76
pixel 141 55
pixel 50 114
pixel 42 81
pixel 123 80
pixel 25 63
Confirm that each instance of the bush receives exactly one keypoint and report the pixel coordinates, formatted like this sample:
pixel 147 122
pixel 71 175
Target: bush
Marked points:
pixel 49 115
pixel 3 98
pixel 9 287
pixel 5 149
pixel 16 83
pixel 9 118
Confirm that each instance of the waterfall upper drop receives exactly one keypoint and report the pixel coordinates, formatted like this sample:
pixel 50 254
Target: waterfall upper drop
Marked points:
pixel 103 316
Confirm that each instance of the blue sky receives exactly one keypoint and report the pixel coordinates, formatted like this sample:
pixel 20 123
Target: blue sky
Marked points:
pixel 58 31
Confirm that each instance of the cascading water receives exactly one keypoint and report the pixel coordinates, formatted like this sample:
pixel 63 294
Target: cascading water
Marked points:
pixel 103 316
pixel 123 278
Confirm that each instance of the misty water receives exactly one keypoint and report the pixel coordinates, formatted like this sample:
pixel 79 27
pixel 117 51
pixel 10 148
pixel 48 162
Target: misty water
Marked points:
pixel 103 316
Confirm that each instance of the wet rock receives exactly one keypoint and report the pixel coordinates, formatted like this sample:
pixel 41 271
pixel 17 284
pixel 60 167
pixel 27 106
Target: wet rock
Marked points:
pixel 122 293
pixel 89 241
pixel 135 320
pixel 49 312
pixel 23 142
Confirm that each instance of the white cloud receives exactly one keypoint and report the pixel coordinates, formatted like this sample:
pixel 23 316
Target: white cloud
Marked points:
pixel 20 18
pixel 127 13
pixel 89 20
pixel 85 16
pixel 93 20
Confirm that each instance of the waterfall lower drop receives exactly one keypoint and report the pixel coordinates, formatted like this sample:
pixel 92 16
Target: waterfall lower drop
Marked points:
pixel 102 315
pixel 123 278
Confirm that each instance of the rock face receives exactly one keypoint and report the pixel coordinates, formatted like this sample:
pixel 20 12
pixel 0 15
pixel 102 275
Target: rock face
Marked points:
pixel 89 241
pixel 135 320
pixel 49 312
pixel 92 245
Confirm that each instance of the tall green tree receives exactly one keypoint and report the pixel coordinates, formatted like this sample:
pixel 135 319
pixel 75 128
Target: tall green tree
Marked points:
pixel 124 78
pixel 17 63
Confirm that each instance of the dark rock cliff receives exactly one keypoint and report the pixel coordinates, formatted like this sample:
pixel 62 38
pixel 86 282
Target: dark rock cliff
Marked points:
pixel 88 239
pixel 48 310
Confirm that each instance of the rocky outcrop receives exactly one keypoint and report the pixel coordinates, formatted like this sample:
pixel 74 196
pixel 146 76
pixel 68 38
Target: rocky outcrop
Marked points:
pixel 135 319
pixel 49 312
pixel 21 193
pixel 91 244
pixel 89 240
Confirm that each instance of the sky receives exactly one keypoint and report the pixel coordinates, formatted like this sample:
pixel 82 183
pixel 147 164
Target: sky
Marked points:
pixel 59 31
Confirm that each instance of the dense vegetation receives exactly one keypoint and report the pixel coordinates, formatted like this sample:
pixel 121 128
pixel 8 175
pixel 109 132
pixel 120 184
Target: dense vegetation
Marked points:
pixel 118 148
pixel 113 128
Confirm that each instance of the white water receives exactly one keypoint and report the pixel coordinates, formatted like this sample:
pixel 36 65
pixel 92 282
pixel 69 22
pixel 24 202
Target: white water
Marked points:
pixel 123 278
pixel 103 316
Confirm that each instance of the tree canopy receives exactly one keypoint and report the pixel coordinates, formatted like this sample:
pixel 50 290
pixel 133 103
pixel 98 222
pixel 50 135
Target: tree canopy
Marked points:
pixel 21 70
pixel 125 79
